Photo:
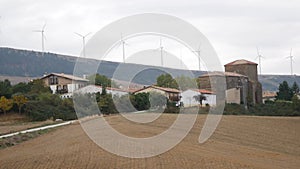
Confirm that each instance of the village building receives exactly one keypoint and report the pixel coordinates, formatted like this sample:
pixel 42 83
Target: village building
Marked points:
pixel 170 93
pixel 269 96
pixel 187 97
pixel 242 82
pixel 61 83
pixel 92 89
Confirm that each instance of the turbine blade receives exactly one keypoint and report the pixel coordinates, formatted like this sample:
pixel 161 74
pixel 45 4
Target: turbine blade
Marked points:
pixel 125 43
pixel 78 34
pixel 87 34
pixel 44 26
pixel 291 52
pixel 118 45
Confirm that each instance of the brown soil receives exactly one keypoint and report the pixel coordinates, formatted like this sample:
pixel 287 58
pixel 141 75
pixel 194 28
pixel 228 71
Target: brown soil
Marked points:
pixel 12 126
pixel 239 142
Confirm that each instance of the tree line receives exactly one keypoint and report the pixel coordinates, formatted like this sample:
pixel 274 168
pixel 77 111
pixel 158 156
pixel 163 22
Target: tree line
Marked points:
pixel 34 100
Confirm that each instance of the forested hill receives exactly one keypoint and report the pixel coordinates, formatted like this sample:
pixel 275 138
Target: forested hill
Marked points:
pixel 25 63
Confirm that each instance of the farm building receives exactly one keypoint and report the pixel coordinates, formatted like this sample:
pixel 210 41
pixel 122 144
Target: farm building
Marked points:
pixel 187 97
pixel 170 93
pixel 269 95
pixel 91 89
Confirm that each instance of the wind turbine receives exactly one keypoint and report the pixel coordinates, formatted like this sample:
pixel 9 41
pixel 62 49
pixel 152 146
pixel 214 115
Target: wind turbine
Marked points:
pixel 198 52
pixel 259 56
pixel 291 60
pixel 83 41
pixel 161 48
pixel 123 43
pixel 42 31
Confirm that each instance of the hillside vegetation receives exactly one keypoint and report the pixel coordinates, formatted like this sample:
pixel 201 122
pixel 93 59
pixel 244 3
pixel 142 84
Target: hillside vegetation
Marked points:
pixel 24 63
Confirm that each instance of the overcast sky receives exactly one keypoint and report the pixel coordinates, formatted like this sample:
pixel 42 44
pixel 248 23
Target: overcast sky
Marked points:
pixel 234 28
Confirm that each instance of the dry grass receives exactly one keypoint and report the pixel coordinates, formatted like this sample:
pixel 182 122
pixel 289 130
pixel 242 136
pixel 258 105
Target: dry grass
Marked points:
pixel 14 122
pixel 239 142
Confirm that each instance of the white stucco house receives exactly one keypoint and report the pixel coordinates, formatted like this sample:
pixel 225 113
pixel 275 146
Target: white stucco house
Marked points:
pixel 61 83
pixel 95 89
pixel 187 97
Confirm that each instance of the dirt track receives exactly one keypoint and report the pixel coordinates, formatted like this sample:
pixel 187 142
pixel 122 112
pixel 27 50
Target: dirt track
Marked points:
pixel 239 142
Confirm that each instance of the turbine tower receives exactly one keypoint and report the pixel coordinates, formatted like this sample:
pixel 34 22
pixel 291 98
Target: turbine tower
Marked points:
pixel 42 31
pixel 83 41
pixel 122 43
pixel 198 52
pixel 291 60
pixel 161 48
pixel 259 56
pixel 123 48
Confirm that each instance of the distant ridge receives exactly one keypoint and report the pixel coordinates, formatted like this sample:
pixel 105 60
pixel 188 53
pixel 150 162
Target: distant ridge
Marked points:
pixel 26 63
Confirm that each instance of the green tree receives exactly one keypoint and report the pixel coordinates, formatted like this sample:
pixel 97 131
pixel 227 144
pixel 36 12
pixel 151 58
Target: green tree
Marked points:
pixel 106 104
pixel 20 101
pixel 103 92
pixel 100 80
pixel 21 88
pixel 5 88
pixel 5 104
pixel 295 88
pixel 141 101
pixel 199 98
pixel 296 103
pixel 186 82
pixel 285 92
pixel 166 80
pixel 38 86
pixel 157 100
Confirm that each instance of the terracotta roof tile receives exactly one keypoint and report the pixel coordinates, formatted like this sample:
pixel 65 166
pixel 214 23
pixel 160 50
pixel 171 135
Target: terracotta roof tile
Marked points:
pixel 203 91
pixel 241 62
pixel 67 76
pixel 232 74
pixel 171 90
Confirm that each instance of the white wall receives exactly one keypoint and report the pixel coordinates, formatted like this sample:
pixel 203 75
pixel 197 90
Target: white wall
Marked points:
pixel 90 89
pixel 211 99
pixel 53 88
pixel 188 98
pixel 95 89
pixel 116 92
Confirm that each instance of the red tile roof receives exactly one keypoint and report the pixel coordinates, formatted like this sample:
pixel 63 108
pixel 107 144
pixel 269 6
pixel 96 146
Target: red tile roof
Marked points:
pixel 203 91
pixel 71 77
pixel 170 90
pixel 241 62
pixel 269 94
pixel 232 74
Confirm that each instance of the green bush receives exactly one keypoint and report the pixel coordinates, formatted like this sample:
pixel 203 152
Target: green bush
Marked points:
pixel 234 109
pixel 50 106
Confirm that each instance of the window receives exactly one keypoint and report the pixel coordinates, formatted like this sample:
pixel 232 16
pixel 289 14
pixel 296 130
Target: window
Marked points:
pixel 53 80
